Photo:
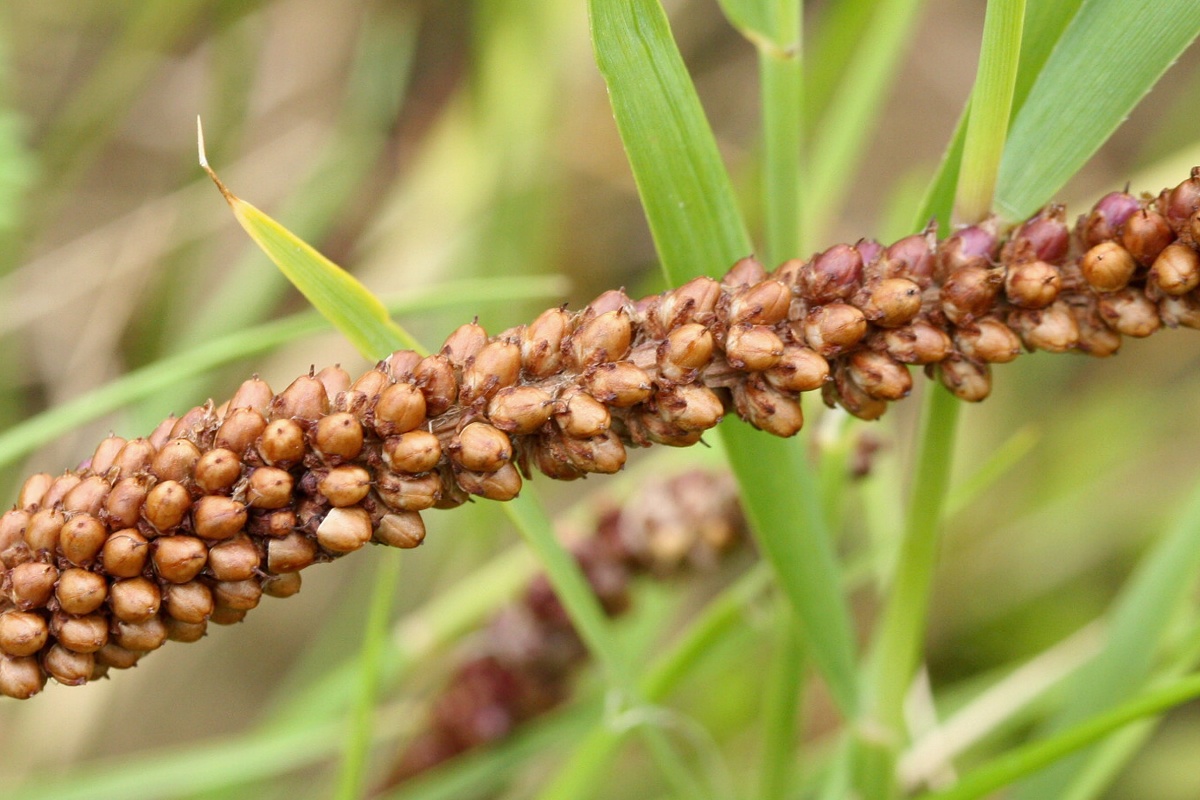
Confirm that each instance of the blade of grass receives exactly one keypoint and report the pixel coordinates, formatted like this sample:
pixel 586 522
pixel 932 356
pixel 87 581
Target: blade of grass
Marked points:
pixel 697 229
pixel 1104 63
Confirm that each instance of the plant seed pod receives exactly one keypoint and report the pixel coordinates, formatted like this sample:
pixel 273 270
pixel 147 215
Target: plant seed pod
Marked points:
pixel 282 443
pixel 235 559
pixel 43 529
pixel 1178 205
pixel 13 525
pixel 966 379
pixel 59 488
pixel 1176 271
pixel 752 348
pixel 582 416
pixel 255 394
pixel 162 434
pixel 33 490
pixel 892 302
pixel 344 530
pixel 767 408
pixel 79 591
pixel 1034 284
pixel 603 454
pixel 134 599
pixel 1095 337
pixel 31 585
pixel 335 380
pixel 87 497
pixel 20 678
pixel 141 637
pixel 1130 313
pixel 603 339
pixel 269 487
pixel 413 452
pixel 22 633
pixel 799 369
pixel 175 461
pixel 303 400
pixel 480 447
pixel 911 258
pixel 685 350
pixel 970 293
pixel 82 634
pixel 283 585
pixel 400 365
pixel 166 506
pixel 1053 329
pixel 1174 311
pixel 496 366
pixel 972 246
pixel 845 393
pixel 405 530
pixel 105 454
pixel 880 376
pixel 81 539
pixel 401 408
pixel 830 276
pixel 407 492
pixel 138 454
pixel 618 385
pixel 363 393
pixel 338 438
pixel 1146 234
pixel 764 303
pixel 541 343
pixel 988 340
pixel 234 596
pixel 502 485
pixel 124 554
pixel 123 506
pixel 1107 218
pixel 745 272
pixel 218 470
pixel 695 301
pixel 117 657
pixel 464 343
pixel 1107 267
pixel 186 632
pixel 436 380
pixel 292 553
pixel 834 328
pixel 520 410
pixel 1044 237
pixel 647 427
pixel 690 407
pixel 66 667
pixel 345 486
pixel 239 431
pixel 188 602
pixel 549 455
pixel 179 559
pixel 217 517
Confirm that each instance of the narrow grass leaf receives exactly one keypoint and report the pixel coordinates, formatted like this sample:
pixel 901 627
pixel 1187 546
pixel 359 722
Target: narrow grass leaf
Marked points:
pixel 697 229
pixel 1122 50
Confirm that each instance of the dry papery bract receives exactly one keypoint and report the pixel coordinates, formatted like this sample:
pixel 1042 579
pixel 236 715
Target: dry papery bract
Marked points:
pixel 155 538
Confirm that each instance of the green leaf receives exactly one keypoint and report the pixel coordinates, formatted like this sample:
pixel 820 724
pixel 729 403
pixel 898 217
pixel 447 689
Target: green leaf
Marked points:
pixel 1110 56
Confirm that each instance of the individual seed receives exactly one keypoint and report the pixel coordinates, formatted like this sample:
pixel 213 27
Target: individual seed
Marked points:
pixel 1053 329
pixel 401 408
pixel 34 489
pixel 1174 311
pixel 480 447
pixel 407 492
pixel 502 484
pixel 137 455
pixel 988 340
pixel 22 633
pixel 13 525
pixel 105 454
pixel 695 301
pixel 496 366
pixel 254 394
pixel 292 553
pixel 344 530
pixel 235 559
pixel 166 506
pixel 31 585
pixel 217 517
pixel 1146 234
pixel 304 400
pixel 646 428
pixel 187 632
pixel 611 300
pixel 134 599
pixel 766 408
pixel 235 596
pixel 910 258
pixel 1107 217
pixel 967 380
pixel 269 488
pixel 81 539
pixel 67 667
pixel 124 504
pixel 88 496
pixel 618 385
pixel 1129 312
pixel 400 365
pixel 434 376
pixel 80 591
pixel 764 303
pixel 582 416
pixel 752 348
pixel 1176 270
pixel 970 293
pixel 162 433
pixel 833 328
pixel 338 438
pixel 464 343
pixel 892 302
pixel 345 486
pixel 973 246
pixel 831 276
pixel 1044 237
pixel 1095 337
pixel 520 410
pixel 844 392
pixel 80 634
pixel 240 430
pixel 179 559
pixel 603 339
pixel 218 470
pixel 284 585
pixel 175 461
pixel 141 637
pixel 1107 267
pixel 1035 284
pixel 685 350
pixel 541 343
pixel 224 615
pixel 879 375
pixel 690 407
pixel 20 678
pixel 335 380
pixel 405 529
pixel 282 443
pixel 412 452
pixel 800 369
pixel 188 602
pixel 745 272
pixel 603 454
pixel 124 554
pixel 117 657
pixel 43 530
pixel 364 392
pixel 59 488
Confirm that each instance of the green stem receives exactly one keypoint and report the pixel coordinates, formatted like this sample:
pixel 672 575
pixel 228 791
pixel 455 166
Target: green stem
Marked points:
pixel 781 703
pixel 780 71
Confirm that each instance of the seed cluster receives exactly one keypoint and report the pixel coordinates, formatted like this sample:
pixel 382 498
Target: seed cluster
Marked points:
pixel 153 539
pixel 522 664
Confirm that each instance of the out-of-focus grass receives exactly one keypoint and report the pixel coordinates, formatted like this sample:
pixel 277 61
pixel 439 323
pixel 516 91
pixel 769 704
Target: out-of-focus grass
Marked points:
pixel 451 140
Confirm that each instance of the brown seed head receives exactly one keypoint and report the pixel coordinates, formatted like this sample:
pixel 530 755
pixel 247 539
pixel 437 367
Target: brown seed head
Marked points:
pixel 335 380
pixel 117 657
pixel 400 365
pixel 59 488
pixel 178 631
pixel 745 272
pixel 1045 237
pixel 179 559
pixel 218 470
pixel 971 247
pixel 1174 311
pixel 604 454
pixel 752 348
pixel 283 585
pixel 910 258
pixel 1034 284
pixel 1176 271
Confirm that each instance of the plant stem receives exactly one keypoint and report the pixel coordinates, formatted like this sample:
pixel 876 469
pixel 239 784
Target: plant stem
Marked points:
pixel 780 71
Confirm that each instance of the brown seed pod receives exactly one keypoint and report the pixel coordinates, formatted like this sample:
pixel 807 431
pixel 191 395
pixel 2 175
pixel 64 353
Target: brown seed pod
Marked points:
pixel 31 585
pixel 408 492
pixel 255 394
pixel 464 343
pixel 602 339
pixel 752 348
pixel 105 454
pixel 413 452
pixel 335 380
pixel 520 410
pixel 969 293
pixel 190 602
pixel 480 447
pixel 1130 313
pixel 303 400
pixel 910 258
pixel 695 301
pixel 142 637
pixel 892 302
pixel 767 408
pixel 43 529
pixel 235 559
pixel 541 343
pixel 496 366
pixel 59 488
pixel 234 596
pixel 690 407
pixel 80 591
pixel 282 443
pixel 124 554
pixel 1053 329
pixel 1044 237
pixel 501 484
pixel 291 553
pixel 178 631
pixel 20 678
pixel 973 246
pixel 1107 266
pixel 582 416
pixel 67 667
pixel 80 634
pixel 138 454
pixel 1176 271
pixel 764 303
pixel 831 276
pixel 401 408
pixel 338 438
pixel 34 489
pixel 686 349
pixel 282 585
pixel 81 539
pixel 1107 218
pixel 134 599
pixel 988 340
pixel 647 428
pixel 799 369
pixel 240 429
pixel 179 559
pixel 166 506
pixel 404 529
pixel 1034 284
pixel 879 375
pixel 87 497
pixel 217 517
pixel 834 328
pixel 346 486
pixel 1145 235
pixel 1174 311
pixel 434 376
pixel 217 471
pixel 603 453
pixel 618 385
pixel 966 379
pixel 269 487
pixel 117 657
pixel 22 633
